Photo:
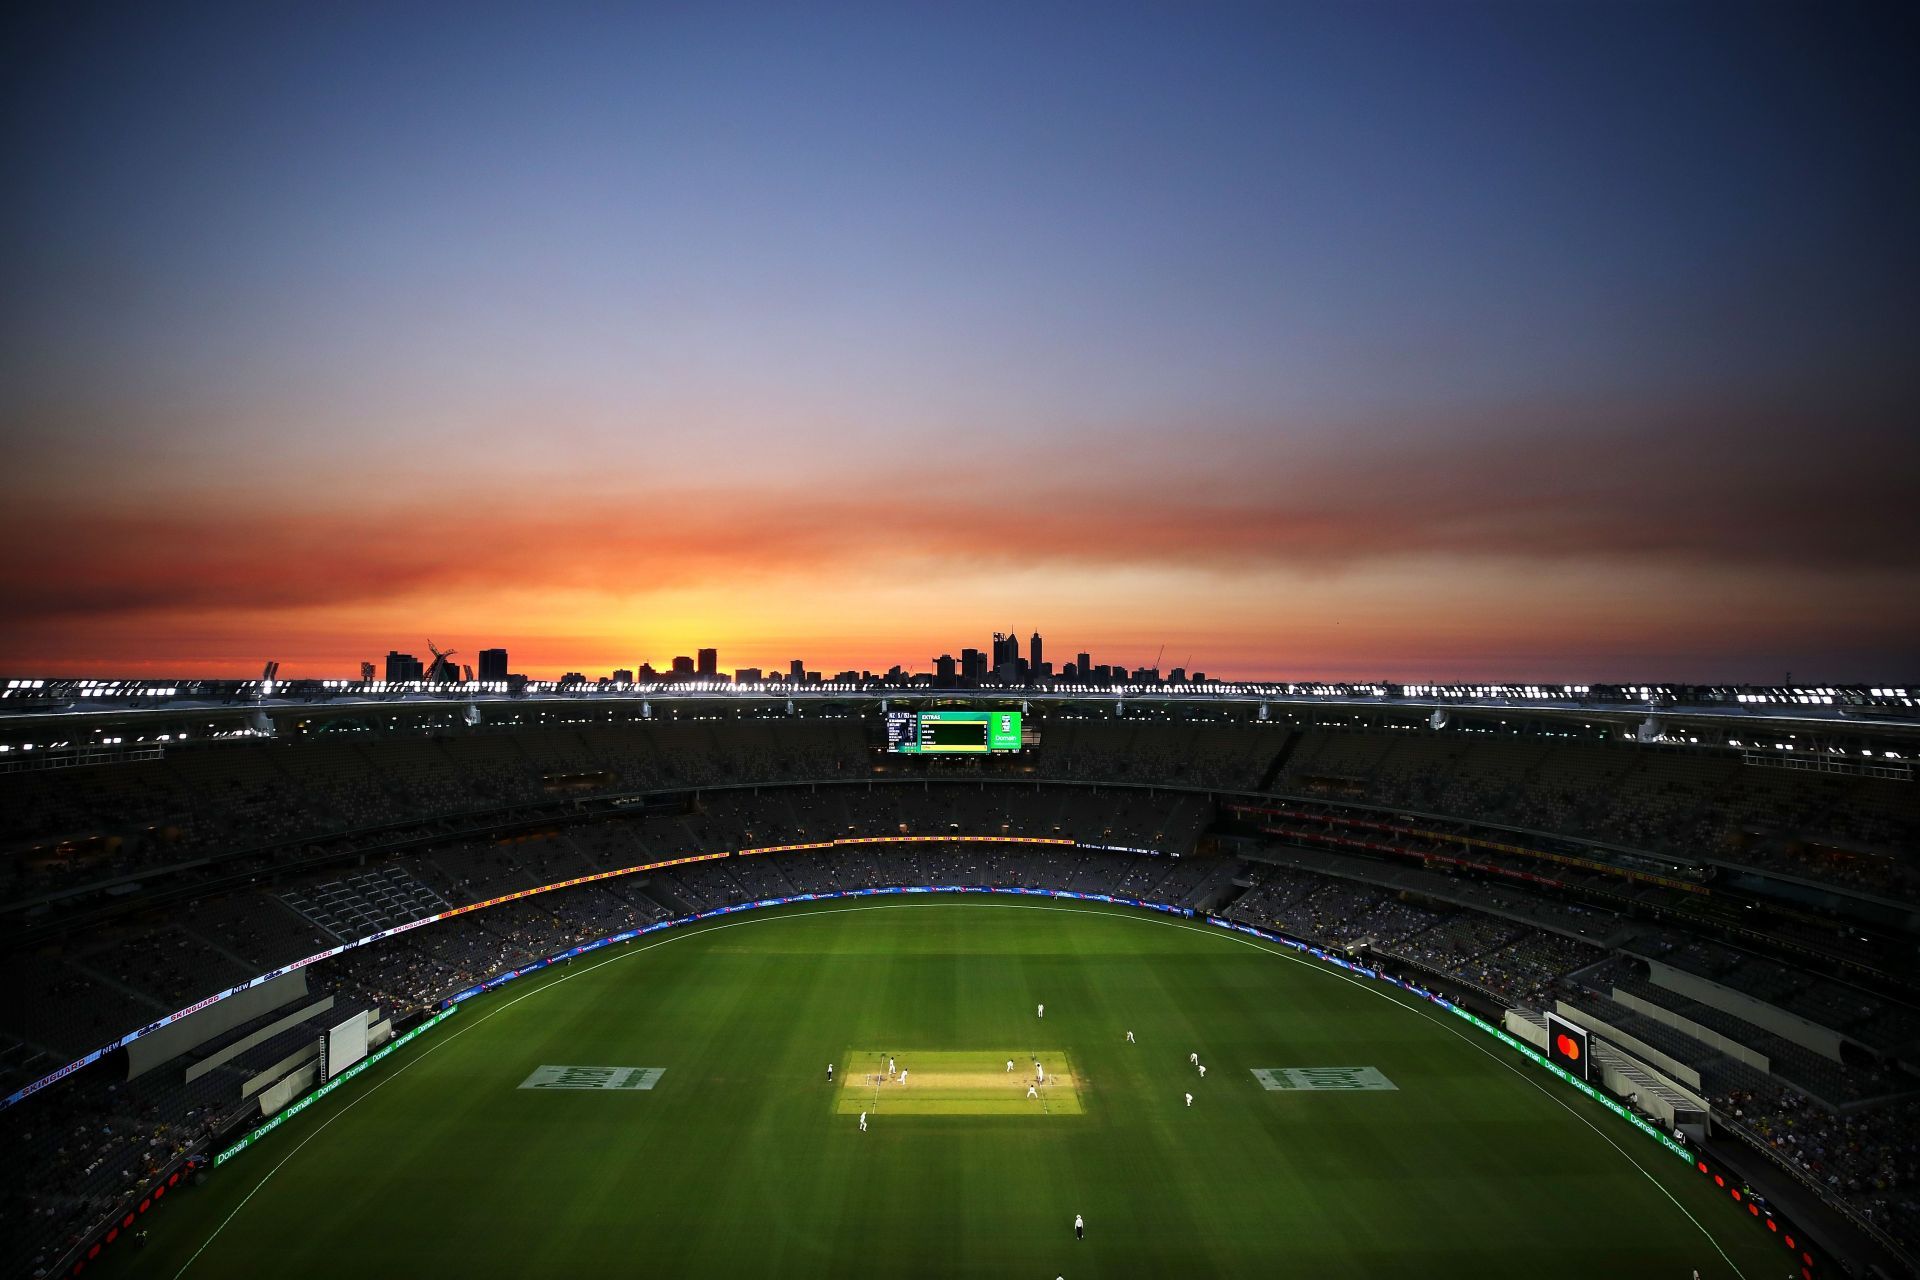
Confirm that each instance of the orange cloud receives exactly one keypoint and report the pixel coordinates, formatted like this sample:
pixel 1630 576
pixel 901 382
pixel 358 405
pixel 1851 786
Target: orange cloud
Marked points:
pixel 1483 560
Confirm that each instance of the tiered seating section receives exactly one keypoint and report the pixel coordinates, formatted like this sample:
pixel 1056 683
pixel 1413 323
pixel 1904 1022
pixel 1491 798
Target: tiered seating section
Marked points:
pixel 365 902
pixel 85 826
pixel 1852 830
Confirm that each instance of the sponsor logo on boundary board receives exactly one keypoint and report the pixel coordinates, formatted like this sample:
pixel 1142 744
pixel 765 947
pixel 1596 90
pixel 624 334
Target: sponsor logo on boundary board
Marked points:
pixel 1322 1079
pixel 593 1078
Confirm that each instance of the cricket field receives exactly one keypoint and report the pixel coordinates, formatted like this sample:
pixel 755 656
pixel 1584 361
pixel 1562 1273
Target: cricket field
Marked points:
pixel 663 1108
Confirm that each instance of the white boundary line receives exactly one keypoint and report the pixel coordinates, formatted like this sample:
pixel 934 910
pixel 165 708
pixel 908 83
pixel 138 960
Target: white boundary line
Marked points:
pixel 1149 917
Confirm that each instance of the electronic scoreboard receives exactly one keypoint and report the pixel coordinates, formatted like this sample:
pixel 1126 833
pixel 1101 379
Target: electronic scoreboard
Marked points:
pixel 1567 1045
pixel 927 733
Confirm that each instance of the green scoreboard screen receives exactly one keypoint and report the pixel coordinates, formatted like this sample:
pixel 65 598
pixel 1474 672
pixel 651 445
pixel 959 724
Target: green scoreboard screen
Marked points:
pixel 955 732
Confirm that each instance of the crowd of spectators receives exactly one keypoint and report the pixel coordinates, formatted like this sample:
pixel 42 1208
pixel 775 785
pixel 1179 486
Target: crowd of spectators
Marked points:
pixel 1869 1160
pixel 1510 959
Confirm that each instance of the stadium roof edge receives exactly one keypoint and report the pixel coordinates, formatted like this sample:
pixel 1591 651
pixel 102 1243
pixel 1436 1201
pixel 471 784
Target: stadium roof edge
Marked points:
pixel 1829 707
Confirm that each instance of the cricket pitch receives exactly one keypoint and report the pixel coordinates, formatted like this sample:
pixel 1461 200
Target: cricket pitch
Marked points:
pixel 966 1082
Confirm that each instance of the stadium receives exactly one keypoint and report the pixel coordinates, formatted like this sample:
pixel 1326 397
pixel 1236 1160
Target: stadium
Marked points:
pixel 690 979
pixel 1418 441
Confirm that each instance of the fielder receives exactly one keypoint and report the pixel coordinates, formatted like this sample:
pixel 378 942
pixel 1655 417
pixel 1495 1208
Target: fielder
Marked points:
pixel 829 1073
pixel 1193 1059
pixel 1189 1099
pixel 1041 1072
pixel 889 1066
pixel 1009 1065
pixel 863 1117
pixel 903 1077
pixel 1203 1071
pixel 1041 1012
pixel 1031 1091
pixel 1129 1037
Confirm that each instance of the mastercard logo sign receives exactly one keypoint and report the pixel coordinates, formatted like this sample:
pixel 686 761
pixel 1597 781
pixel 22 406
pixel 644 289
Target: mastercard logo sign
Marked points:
pixel 1567 1046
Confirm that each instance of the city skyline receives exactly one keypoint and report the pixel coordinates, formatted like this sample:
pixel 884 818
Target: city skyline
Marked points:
pixel 1003 662
pixel 1401 341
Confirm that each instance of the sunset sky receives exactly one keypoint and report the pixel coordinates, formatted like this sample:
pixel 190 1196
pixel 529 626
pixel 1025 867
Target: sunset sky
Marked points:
pixel 1339 340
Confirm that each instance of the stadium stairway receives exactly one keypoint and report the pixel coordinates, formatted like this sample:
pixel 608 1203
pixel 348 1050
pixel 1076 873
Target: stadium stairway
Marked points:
pixel 365 902
pixel 662 891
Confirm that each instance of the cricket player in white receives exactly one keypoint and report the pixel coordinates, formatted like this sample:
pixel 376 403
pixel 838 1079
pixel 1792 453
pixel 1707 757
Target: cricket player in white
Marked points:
pixel 903 1077
pixel 1203 1071
pixel 863 1122
pixel 1189 1099
pixel 1129 1037
pixel 1040 1072
pixel 1009 1065
pixel 889 1066
pixel 1193 1059
pixel 1032 1092
pixel 1041 1012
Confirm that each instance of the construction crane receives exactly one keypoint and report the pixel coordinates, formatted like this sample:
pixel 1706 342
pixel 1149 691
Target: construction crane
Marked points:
pixel 441 670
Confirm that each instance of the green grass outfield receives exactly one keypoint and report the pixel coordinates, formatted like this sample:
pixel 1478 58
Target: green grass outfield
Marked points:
pixel 739 1162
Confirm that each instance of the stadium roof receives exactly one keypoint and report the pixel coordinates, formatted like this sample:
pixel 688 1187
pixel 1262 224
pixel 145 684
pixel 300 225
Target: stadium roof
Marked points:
pixel 1851 710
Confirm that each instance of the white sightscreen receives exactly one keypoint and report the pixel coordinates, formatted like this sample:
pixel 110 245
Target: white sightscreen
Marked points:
pixel 346 1044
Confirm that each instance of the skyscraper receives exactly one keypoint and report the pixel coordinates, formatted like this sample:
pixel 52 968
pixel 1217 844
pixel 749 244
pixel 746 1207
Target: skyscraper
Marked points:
pixel 403 666
pixel 1033 655
pixel 683 668
pixel 1084 662
pixel 797 672
pixel 709 663
pixel 973 665
pixel 943 670
pixel 493 664
pixel 1006 655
